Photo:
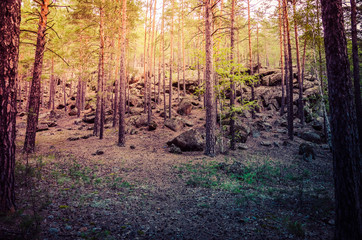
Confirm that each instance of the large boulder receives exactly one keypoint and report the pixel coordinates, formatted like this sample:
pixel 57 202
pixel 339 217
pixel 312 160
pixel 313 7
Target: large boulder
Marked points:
pixel 311 136
pixel 89 118
pixel 185 107
pixel 175 124
pixel 191 140
pixel 272 80
pixel 242 131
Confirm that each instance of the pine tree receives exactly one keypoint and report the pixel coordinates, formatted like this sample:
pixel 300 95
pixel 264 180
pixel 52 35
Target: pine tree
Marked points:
pixel 345 148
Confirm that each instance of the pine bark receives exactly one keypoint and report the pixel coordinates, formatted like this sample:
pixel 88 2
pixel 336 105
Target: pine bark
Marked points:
pixel 210 149
pixel 122 110
pixel 34 98
pixel 290 72
pixel 345 148
pixel 356 75
pixel 9 56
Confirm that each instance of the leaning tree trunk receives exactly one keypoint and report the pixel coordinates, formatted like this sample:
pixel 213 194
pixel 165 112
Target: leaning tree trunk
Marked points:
pixel 345 148
pixel 9 56
pixel 34 98
pixel 122 96
pixel 210 149
pixel 356 76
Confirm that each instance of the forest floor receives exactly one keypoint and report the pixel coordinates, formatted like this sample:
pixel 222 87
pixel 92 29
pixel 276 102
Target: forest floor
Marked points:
pixel 92 189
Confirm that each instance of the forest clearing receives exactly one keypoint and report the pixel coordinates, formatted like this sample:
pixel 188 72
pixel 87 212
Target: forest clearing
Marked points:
pixel 180 119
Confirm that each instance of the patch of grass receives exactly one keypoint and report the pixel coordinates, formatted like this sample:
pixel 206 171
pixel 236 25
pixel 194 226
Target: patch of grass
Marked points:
pixel 296 228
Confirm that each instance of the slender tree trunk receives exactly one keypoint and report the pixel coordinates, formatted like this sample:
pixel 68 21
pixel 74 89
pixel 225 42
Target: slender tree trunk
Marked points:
pixel 183 47
pixel 64 94
pixel 99 119
pixel 282 42
pixel 250 57
pixel 34 98
pixel 117 79
pixel 9 56
pixel 209 93
pixel 232 84
pixel 171 63
pixel 51 87
pixel 346 154
pixel 325 130
pixel 290 72
pixel 122 112
pixel 300 83
pixel 145 58
pixel 356 76
pixel 163 60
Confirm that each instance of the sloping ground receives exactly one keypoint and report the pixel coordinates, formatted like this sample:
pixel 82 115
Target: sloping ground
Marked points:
pixel 92 189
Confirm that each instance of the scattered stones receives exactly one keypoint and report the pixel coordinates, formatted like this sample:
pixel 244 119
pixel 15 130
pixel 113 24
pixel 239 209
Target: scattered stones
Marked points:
pixel 87 136
pixel 132 147
pixel 54 230
pixel 73 138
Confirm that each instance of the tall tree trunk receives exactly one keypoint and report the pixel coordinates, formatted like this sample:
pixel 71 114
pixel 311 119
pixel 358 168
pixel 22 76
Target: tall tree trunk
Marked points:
pixel 163 60
pixel 356 76
pixel 34 99
pixel 145 58
pixel 345 148
pixel 51 87
pixel 171 63
pixel 250 57
pixel 232 84
pixel 9 56
pixel 117 79
pixel 290 72
pixel 64 94
pixel 183 47
pixel 325 130
pixel 282 46
pixel 151 70
pixel 300 83
pixel 209 93
pixel 99 119
pixel 122 112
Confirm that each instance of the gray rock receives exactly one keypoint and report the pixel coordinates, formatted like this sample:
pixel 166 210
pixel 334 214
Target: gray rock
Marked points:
pixel 307 150
pixel 311 137
pixel 175 149
pixel 42 127
pixel 242 146
pixel 152 126
pixel 184 107
pixel 191 140
pixel 266 143
pixel 54 230
pixel 174 124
